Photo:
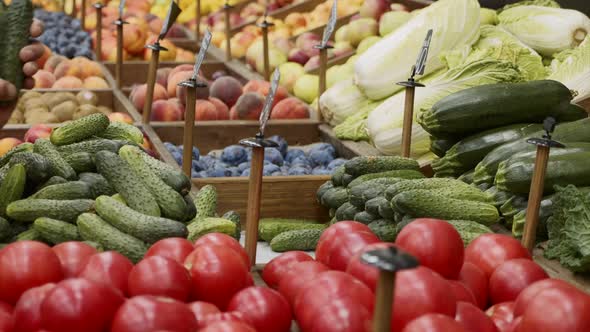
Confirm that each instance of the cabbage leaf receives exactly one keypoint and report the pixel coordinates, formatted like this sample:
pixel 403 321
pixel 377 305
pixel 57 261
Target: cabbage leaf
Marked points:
pixel 572 68
pixel 354 128
pixel 342 100
pixel 544 3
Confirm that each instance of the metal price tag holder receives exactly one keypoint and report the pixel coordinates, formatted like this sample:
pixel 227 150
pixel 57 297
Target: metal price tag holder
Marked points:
pixel 98 51
pixel 227 11
pixel 265 25
pixel 324 47
pixel 119 23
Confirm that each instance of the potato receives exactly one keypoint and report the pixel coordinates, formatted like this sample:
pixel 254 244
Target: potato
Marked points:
pixel 85 110
pixel 16 117
pixel 34 103
pixel 60 97
pixel 87 97
pixel 65 111
pixel 28 95
pixel 42 117
pixel 47 96
pixel 105 110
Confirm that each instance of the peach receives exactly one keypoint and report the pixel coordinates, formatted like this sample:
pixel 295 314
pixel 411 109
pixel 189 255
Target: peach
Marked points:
pixel 228 89
pixel 68 68
pixel 290 108
pixel 222 109
pixel 8 143
pixel 156 25
pixel 169 55
pixel 68 82
pixel 374 8
pixel 43 59
pixel 202 92
pixel 53 61
pixel 205 111
pixel 177 102
pixel 137 95
pixel 240 43
pixel 44 79
pixel 37 131
pixel 295 20
pixel 263 87
pixel 94 82
pixel 176 78
pixel 298 56
pixel 249 106
pixel 184 55
pixel 162 75
pixel 307 40
pixel 183 67
pixel 120 117
pixel 283 44
pixel 134 38
pixel 162 110
pixel 91 68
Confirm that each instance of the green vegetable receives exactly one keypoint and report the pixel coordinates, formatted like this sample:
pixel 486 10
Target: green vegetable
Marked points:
pixel 323 189
pixel 52 180
pixel 498 197
pixel 488 16
pixel 90 146
pixel 268 230
pixel 384 229
pixel 5 230
pixel 467 177
pixel 56 231
pixel 375 164
pixel 171 175
pixel 440 146
pixel 364 217
pixel 27 210
pixel 301 239
pixel 354 128
pixel 372 205
pixel 81 162
pixel 399 174
pixel 234 217
pixel 433 183
pixel 391 21
pixel 119 198
pixel 98 184
pixel 208 225
pixel 95 245
pixel 337 176
pixel 12 187
pixel 190 208
pixel 30 234
pixel 65 191
pixel 341 101
pixel 38 167
pixel 361 193
pixel 572 68
pixel 58 165
pixel 335 197
pixel 24 147
pixel 346 211
pixel 206 202
pixel 512 206
pixel 122 131
pixel 469 230
pixel 545 3
pixel 79 130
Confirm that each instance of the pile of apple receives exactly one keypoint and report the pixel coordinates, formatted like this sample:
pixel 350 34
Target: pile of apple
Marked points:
pixel 59 72
pixel 225 98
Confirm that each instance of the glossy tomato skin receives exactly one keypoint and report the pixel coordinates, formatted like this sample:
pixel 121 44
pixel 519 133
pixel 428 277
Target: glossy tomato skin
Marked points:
pixel 434 323
pixel 363 272
pixel 265 308
pixel 462 292
pixel 175 248
pixel 73 306
pixel 24 265
pixel 344 247
pixel 228 316
pixel 6 319
pixel 435 243
pixel 473 319
pixel 488 251
pixel 152 313
pixel 27 312
pixel 298 277
pixel 343 315
pixel 279 266
pixel 217 274
pixel 228 327
pixel 529 293
pixel 512 277
pixel 502 314
pixel 328 237
pixel 160 276
pixel 73 256
pixel 557 310
pixel 201 309
pixel 420 291
pixel 109 267
pixel 221 239
pixel 477 282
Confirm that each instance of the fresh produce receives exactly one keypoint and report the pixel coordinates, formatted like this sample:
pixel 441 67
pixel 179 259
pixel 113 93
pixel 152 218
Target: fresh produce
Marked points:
pixel 489 251
pixel 28 210
pixel 571 67
pixel 60 72
pixel 207 225
pixel 64 35
pixel 267 309
pixel 56 231
pixel 267 230
pixel 280 266
pixel 12 187
pixel 299 239
pixel 503 288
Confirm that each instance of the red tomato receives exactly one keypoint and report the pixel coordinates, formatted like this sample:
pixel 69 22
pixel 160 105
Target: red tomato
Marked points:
pixel 343 315
pixel 420 291
pixel 175 248
pixel 27 312
pixel 345 247
pixel 434 323
pixel 363 272
pixel 473 319
pixel 328 236
pixel 435 243
pixel 160 276
pixel 6 319
pixel 529 293
pixel 462 292
pixel 278 267
pixel 224 240
pixel 109 267
pixel 151 313
pixel 513 327
pixel 76 305
pixel 502 314
pixel 24 265
pixel 557 309
pixel 265 308
pixel 229 316
pixel 477 282
pixel 488 251
pixel 511 277
pixel 298 277
pixel 202 309
pixel 73 256
pixel 217 274
pixel 228 327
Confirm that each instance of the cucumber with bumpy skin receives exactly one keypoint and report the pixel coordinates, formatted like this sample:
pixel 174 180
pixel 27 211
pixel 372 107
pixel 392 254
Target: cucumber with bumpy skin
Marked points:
pixel 38 167
pixel 208 225
pixel 302 239
pixel 89 146
pixel 81 162
pixel 346 211
pixel 400 174
pixel 98 184
pixel 171 175
pixel 364 217
pixel 52 180
pixel 58 165
pixel 335 197
pixel 24 147
pixel 30 234
pixel 65 191
pixel 337 176
pixel 431 183
pixel 206 202
pixel 122 131
pixel 469 230
pixel 12 187
pixel 269 230
pixel 372 205
pixel 27 210
pixel 384 229
pixel 56 231
pixel 79 130
pixel 376 164
pixel 323 189
pixel 234 217
pixel 5 230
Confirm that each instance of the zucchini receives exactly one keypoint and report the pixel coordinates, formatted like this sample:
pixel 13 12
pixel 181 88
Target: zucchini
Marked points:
pixel 323 189
pixel 24 147
pixel 433 183
pixel 95 229
pixel 423 203
pixel 400 174
pixel 144 227
pixel 475 109
pixel 512 206
pixel 572 113
pixel 81 162
pixel 234 217
pixel 515 175
pixel 65 191
pixel 375 164
pixel 79 130
pixel 171 175
pixel 498 197
pixel 12 187
pixel 90 146
pixel 27 210
pixel 58 165
pixel 206 202
pixel 207 225
pixel 268 230
pixel 127 183
pixel 56 231
pixel 364 217
pixel 440 146
pixel 469 230
pixel 468 152
pixel 5 230
pixel 122 131
pixel 384 229
pixel 301 239
pixel 335 197
pixel 372 205
pixel 171 203
pixel 346 211
pixel 38 167
pixel 98 184
pixel 485 171
pixel 467 177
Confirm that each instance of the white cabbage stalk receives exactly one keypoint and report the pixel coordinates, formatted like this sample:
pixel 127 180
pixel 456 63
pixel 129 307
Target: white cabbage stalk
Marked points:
pixel 455 23
pixel 546 30
pixel 572 68
pixel 340 101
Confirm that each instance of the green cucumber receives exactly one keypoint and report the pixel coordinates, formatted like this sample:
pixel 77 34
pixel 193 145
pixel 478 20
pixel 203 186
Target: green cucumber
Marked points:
pixel 364 217
pixel 93 244
pixel 372 205
pixel 95 229
pixel 30 234
pixel 5 230
pixel 90 146
pixel 433 183
pixel 384 229
pixel 171 203
pixel 323 189
pixel 12 187
pixel 301 239
pixel 122 131
pixel 38 167
pixel 119 198
pixel 144 227
pixel 375 164
pixel 190 208
pixel 469 230
pixel 206 225
pixel 440 146
pixel 498 197
pixel 79 130
pixel 475 109
pixel 24 147
pixel 346 211
pixel 52 180
pixel 171 175
pixel 59 166
pixel 81 162
pixel 27 210
pixel 335 197
pixel 337 176
pixel 127 183
pixel 385 210
pixel 234 217
pixel 347 179
pixel 467 177
pixel 512 206
pixel 206 202
pixel 400 174
pixel 65 191
pixel 361 193
pixel 56 231
pixel 269 230
pixel 98 184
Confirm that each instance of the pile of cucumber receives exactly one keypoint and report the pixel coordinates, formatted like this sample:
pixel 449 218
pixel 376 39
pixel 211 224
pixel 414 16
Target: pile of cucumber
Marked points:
pixel 79 186
pixel 387 193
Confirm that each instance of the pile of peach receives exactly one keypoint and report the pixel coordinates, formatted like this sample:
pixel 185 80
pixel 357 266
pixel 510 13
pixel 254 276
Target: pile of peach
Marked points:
pixel 60 72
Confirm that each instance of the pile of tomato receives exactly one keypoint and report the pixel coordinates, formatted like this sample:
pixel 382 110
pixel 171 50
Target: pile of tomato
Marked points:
pixel 490 286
